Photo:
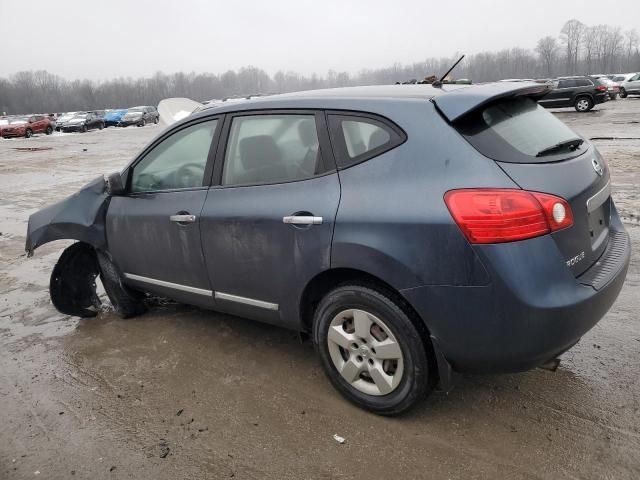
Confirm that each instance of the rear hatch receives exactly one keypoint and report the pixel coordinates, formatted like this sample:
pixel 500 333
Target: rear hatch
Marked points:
pixel 541 154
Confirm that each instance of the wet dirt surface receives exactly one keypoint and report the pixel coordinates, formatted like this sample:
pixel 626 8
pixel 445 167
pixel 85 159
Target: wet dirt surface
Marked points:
pixel 184 393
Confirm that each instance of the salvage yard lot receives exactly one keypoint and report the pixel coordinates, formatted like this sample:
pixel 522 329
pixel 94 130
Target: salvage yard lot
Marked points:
pixel 185 393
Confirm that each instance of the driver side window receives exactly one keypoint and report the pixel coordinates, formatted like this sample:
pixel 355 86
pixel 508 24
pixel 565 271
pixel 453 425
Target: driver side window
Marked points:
pixel 177 162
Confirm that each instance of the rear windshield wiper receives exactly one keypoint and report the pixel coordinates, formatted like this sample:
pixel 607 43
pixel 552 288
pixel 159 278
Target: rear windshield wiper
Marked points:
pixel 572 145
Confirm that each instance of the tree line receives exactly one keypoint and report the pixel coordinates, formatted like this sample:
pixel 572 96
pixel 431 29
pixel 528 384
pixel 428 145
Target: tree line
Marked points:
pixel 579 49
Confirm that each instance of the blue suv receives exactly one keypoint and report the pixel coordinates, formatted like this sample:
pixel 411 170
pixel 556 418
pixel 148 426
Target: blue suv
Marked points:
pixel 411 231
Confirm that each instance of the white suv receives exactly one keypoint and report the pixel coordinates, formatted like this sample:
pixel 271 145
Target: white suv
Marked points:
pixel 631 86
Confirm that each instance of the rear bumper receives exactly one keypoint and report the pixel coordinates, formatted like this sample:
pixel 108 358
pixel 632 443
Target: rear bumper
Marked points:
pixel 533 310
pixel 601 97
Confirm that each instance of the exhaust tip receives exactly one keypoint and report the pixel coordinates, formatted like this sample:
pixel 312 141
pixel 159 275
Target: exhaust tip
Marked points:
pixel 551 365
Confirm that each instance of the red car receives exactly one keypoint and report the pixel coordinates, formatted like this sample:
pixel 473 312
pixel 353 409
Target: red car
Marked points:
pixel 27 126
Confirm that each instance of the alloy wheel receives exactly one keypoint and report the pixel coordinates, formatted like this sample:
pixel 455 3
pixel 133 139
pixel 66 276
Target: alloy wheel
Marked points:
pixel 365 352
pixel 583 104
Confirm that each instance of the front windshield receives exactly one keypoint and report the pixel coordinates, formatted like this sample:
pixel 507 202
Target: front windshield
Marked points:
pixel 19 120
pixel 80 117
pixel 135 110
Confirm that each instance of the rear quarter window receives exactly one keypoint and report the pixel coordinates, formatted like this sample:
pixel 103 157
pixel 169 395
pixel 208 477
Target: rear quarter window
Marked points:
pixel 360 137
pixel 515 131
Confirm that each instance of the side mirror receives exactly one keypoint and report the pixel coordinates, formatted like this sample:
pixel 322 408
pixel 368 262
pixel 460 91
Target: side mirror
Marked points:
pixel 115 184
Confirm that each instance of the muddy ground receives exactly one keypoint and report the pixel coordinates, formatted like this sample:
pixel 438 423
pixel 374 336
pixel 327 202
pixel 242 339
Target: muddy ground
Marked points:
pixel 183 393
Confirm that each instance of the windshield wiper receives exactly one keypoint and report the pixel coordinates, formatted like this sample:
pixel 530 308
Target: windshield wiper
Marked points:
pixel 572 145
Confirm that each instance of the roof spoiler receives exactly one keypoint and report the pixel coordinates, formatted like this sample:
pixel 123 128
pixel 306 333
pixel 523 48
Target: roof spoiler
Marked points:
pixel 460 101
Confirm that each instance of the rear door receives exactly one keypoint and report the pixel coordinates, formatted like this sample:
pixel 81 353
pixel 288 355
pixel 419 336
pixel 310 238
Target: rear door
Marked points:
pixel 267 225
pixel 153 231
pixel 562 96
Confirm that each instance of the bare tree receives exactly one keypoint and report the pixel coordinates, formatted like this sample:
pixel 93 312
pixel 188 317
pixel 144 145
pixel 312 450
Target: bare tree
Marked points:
pixel 571 35
pixel 547 48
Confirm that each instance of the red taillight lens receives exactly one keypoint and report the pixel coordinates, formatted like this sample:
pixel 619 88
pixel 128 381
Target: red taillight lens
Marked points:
pixel 502 215
pixel 601 88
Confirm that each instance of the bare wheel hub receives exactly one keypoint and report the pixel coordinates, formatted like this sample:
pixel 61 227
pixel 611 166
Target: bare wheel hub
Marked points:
pixel 365 352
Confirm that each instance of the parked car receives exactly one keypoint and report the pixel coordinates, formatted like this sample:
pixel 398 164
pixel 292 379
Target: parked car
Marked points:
pixel 411 231
pixel 613 90
pixel 631 86
pixel 27 126
pixel 82 122
pixel 62 119
pixel 112 118
pixel 582 93
pixel 140 116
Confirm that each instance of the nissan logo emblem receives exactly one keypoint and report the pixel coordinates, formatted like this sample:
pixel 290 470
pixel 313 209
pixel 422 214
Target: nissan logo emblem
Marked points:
pixel 597 167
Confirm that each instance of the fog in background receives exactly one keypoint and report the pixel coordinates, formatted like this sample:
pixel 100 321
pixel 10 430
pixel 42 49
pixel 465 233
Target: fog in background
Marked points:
pixel 75 55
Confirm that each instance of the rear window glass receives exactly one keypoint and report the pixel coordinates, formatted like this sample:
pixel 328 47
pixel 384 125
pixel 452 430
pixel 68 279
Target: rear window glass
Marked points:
pixel 518 130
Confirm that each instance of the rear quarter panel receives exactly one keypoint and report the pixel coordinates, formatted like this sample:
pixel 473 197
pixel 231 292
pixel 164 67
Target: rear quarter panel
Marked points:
pixel 392 221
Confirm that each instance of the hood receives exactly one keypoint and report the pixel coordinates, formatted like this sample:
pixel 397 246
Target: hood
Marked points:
pixel 79 217
pixel 173 110
pixel 454 103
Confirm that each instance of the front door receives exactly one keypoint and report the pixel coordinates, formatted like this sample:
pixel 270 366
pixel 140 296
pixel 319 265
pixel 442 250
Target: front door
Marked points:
pixel 153 232
pixel 267 228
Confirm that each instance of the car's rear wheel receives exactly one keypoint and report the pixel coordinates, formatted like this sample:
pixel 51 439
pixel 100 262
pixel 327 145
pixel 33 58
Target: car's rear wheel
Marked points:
pixel 583 104
pixel 28 133
pixel 142 123
pixel 371 351
pixel 100 126
pixel 84 129
pixel 49 130
pixel 623 93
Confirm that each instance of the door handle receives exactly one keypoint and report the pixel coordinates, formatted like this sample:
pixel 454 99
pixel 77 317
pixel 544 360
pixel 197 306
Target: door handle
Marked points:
pixel 302 220
pixel 186 218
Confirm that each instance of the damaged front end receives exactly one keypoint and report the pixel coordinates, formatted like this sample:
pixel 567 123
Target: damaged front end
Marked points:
pixel 73 281
pixel 78 217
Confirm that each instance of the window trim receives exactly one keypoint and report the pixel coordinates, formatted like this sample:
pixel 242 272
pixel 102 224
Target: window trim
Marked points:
pixel 325 150
pixel 343 159
pixel 206 178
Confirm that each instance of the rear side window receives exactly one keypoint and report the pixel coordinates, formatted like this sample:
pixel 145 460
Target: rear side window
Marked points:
pixel 517 130
pixel 359 138
pixel 272 149
pixel 583 82
pixel 566 83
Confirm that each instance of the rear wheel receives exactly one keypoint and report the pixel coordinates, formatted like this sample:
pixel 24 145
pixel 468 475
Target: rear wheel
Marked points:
pixel 371 351
pixel 49 130
pixel 142 123
pixel 84 129
pixel 100 126
pixel 28 133
pixel 623 93
pixel 583 104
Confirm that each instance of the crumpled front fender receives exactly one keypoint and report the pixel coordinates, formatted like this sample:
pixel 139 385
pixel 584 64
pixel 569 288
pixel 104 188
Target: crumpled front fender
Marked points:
pixel 78 217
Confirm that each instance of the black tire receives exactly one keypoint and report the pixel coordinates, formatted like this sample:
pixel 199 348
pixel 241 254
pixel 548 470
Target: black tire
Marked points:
pixel 126 301
pixel 84 129
pixel 142 123
pixel 28 133
pixel 583 104
pixel 100 126
pixel 623 93
pixel 156 120
pixel 419 370
pixel 49 130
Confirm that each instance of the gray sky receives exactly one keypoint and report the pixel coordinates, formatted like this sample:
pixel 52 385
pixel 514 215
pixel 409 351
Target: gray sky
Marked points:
pixel 104 39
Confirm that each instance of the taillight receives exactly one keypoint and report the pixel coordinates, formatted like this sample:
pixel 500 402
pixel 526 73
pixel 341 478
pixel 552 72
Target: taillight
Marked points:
pixel 601 88
pixel 487 215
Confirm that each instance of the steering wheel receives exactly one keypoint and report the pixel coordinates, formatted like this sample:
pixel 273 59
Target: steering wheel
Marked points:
pixel 189 175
